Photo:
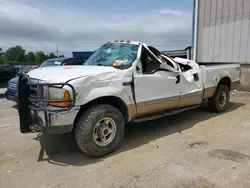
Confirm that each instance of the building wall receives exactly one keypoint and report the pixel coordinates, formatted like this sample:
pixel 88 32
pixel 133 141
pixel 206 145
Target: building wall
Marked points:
pixel 223 33
pixel 245 77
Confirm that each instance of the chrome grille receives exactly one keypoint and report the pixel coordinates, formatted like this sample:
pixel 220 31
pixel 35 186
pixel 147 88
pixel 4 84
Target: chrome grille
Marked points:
pixel 39 96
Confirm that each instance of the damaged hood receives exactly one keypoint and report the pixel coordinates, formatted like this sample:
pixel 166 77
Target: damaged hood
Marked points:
pixel 66 73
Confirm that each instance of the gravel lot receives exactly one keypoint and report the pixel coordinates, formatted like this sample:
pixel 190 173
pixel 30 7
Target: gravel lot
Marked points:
pixel 195 149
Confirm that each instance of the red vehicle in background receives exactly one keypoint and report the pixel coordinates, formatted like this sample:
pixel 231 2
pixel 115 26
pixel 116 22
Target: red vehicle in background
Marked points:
pixel 31 68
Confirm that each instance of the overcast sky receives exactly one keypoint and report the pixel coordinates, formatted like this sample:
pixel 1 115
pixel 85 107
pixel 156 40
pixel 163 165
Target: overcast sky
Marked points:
pixel 84 25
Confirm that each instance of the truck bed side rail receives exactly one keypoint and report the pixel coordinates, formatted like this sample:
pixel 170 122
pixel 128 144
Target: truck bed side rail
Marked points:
pixel 217 63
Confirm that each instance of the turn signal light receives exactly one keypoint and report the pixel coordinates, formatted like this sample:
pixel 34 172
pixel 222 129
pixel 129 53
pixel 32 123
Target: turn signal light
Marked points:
pixel 63 104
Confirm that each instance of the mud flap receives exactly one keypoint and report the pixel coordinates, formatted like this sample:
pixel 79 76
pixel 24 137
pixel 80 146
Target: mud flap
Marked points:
pixel 23 107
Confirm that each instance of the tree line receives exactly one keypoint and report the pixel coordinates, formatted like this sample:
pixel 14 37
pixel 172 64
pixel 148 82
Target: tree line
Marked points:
pixel 16 55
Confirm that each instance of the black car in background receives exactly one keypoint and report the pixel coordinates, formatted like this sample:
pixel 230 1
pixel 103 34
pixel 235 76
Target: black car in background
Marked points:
pixel 7 72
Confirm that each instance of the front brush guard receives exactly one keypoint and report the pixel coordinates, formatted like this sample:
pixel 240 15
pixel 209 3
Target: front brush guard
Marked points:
pixel 28 102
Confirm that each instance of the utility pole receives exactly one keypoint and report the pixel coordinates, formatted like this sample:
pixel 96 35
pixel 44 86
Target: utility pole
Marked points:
pixel 57 50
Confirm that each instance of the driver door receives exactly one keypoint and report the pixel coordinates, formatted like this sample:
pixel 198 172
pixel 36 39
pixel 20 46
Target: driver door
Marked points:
pixel 155 89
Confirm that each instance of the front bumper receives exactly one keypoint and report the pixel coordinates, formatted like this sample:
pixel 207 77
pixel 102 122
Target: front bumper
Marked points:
pixel 36 115
pixel 53 122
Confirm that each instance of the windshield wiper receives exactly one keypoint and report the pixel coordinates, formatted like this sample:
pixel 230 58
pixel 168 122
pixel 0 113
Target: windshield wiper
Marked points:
pixel 99 64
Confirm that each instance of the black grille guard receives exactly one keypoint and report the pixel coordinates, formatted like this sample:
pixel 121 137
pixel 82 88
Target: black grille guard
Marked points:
pixel 27 101
pixel 41 103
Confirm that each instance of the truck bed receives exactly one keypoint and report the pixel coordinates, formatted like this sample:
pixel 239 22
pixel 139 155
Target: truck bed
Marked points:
pixel 214 73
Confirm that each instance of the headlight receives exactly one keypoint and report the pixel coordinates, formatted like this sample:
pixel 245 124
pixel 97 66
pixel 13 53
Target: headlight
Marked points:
pixel 14 85
pixel 59 94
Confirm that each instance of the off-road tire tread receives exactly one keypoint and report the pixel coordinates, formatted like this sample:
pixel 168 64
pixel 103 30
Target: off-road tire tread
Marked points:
pixel 82 126
pixel 213 101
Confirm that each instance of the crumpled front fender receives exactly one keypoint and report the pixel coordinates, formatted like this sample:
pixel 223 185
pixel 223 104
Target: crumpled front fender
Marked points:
pixel 102 92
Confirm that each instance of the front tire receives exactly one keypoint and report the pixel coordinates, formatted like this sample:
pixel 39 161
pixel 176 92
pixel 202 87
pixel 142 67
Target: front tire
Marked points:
pixel 220 100
pixel 100 130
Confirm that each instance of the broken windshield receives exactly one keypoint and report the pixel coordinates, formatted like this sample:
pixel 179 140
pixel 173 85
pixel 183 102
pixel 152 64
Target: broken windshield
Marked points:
pixel 121 55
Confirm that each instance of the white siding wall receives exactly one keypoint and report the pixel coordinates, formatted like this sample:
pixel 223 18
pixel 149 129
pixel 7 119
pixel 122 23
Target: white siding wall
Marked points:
pixel 223 31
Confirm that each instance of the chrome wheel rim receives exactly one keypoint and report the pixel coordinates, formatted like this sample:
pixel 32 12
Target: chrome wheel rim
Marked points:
pixel 222 99
pixel 104 131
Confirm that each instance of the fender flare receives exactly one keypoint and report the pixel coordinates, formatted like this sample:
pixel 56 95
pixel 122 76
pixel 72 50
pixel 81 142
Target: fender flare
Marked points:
pixel 103 92
pixel 127 105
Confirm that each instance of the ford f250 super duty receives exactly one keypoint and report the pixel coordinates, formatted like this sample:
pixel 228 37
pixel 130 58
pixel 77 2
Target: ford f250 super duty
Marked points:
pixel 122 82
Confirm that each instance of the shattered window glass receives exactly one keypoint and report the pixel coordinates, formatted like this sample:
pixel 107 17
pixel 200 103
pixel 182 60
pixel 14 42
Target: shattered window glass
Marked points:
pixel 108 54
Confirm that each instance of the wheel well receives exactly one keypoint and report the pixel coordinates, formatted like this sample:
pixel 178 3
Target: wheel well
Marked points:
pixel 111 100
pixel 226 81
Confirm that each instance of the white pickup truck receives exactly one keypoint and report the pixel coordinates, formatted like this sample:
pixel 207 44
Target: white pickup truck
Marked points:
pixel 123 81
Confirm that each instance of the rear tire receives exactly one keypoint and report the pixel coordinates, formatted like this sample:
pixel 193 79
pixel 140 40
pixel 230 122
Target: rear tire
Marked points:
pixel 94 124
pixel 220 100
